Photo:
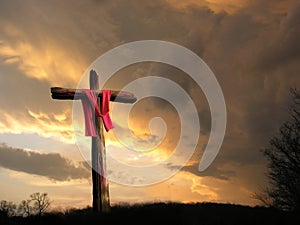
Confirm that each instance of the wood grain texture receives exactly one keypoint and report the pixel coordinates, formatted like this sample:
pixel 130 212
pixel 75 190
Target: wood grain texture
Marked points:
pixel 77 94
pixel 101 202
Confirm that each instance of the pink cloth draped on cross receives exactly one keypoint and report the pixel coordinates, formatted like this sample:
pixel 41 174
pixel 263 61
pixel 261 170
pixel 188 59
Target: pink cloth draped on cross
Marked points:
pixel 90 105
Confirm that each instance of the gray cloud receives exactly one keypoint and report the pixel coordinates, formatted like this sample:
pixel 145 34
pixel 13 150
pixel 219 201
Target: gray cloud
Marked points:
pixel 213 171
pixel 53 165
pixel 70 27
pixel 284 49
pixel 254 54
pixel 21 93
pixel 205 121
pixel 240 49
pixel 147 21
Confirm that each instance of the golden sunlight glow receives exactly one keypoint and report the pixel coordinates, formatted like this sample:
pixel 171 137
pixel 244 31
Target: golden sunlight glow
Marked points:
pixel 49 62
pixel 183 187
pixel 39 123
pixel 61 192
pixel 114 145
pixel 60 117
pixel 202 189
pixel 40 181
pixel 228 6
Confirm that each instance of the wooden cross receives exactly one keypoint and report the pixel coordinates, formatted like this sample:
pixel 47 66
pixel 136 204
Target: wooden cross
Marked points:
pixel 101 202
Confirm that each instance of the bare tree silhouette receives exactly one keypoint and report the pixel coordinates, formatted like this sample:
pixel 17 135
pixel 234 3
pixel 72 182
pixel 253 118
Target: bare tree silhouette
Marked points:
pixel 284 162
pixel 41 202
pixel 38 204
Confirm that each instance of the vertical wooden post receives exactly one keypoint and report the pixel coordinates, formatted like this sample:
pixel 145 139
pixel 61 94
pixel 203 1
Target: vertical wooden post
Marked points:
pixel 100 183
pixel 101 202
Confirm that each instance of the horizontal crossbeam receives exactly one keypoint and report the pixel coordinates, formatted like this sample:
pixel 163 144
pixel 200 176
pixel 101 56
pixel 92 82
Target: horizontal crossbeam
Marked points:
pixel 77 94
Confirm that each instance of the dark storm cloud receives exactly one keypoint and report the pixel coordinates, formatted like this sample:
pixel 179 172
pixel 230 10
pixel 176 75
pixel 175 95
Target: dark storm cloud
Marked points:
pixel 147 20
pixel 52 165
pixel 80 29
pixel 284 48
pixel 205 121
pixel 239 48
pixel 213 171
pixel 252 52
pixel 39 50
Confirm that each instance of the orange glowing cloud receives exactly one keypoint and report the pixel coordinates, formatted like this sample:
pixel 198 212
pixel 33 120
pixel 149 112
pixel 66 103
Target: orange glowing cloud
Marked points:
pixel 229 6
pixel 48 61
pixel 46 125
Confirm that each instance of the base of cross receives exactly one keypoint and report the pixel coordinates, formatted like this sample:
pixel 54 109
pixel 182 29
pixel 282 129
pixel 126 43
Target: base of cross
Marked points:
pixel 101 200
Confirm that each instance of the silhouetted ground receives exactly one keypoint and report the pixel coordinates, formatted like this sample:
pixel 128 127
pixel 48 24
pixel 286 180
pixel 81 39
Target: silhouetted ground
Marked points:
pixel 165 213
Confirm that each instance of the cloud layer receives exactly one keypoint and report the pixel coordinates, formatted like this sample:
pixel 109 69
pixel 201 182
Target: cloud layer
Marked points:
pixel 53 165
pixel 251 46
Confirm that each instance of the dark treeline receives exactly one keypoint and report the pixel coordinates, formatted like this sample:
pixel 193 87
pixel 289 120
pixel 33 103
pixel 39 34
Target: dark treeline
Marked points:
pixel 282 197
pixel 164 213
pixel 37 205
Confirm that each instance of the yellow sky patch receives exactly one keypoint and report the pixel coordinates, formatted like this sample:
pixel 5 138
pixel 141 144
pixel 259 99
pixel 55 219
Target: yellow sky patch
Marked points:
pixel 202 189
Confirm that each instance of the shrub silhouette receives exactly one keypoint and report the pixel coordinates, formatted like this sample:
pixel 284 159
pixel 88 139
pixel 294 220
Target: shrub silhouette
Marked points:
pixel 7 209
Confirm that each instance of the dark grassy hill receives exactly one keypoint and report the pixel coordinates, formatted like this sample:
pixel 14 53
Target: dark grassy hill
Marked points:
pixel 162 213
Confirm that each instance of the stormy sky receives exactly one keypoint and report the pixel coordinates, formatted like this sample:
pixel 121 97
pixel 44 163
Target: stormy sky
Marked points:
pixel 252 47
